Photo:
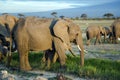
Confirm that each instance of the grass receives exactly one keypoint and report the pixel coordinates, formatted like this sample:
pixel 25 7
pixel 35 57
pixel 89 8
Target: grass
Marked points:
pixel 94 68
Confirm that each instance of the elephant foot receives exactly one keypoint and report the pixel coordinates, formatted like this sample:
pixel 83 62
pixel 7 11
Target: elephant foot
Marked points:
pixel 26 69
pixel 47 67
pixel 63 68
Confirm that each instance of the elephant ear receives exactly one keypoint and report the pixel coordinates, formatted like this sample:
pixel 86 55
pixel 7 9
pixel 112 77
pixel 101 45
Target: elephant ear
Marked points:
pixel 61 31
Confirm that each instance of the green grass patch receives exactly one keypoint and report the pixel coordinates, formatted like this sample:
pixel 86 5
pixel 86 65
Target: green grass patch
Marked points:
pixel 94 68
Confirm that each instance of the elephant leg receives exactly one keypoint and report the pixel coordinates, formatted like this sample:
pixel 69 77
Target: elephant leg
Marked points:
pixel 48 63
pixel 22 60
pixel 116 39
pixel 48 57
pixel 43 58
pixel 88 42
pixel 60 51
pixel 27 65
pixel 55 57
pixel 97 39
pixel 9 57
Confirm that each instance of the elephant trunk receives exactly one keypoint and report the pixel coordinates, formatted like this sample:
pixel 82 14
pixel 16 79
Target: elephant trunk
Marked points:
pixel 79 42
pixel 105 35
pixel 71 51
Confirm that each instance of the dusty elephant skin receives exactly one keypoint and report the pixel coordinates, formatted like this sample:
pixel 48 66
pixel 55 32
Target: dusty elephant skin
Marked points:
pixel 95 31
pixel 115 27
pixel 75 36
pixel 33 34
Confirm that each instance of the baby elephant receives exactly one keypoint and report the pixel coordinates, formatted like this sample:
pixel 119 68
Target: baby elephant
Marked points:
pixel 95 31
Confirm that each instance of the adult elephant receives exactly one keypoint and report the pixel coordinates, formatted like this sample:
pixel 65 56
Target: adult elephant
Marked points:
pixel 8 22
pixel 95 31
pixel 32 34
pixel 75 36
pixel 115 27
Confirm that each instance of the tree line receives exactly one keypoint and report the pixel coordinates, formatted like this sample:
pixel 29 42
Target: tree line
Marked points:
pixel 83 16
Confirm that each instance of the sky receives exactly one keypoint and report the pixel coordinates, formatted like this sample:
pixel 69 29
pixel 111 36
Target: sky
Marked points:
pixel 29 6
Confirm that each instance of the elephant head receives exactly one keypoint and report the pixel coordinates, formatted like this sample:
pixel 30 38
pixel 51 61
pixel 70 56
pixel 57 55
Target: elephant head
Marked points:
pixel 103 32
pixel 115 28
pixel 74 35
pixel 8 20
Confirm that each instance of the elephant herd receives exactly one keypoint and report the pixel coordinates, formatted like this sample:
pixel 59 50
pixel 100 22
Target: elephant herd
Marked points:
pixel 52 36
pixel 113 33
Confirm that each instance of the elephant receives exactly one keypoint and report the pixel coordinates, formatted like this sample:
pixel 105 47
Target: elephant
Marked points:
pixel 4 42
pixel 7 22
pixel 95 31
pixel 115 27
pixel 31 34
pixel 108 33
pixel 75 36
pixel 3 51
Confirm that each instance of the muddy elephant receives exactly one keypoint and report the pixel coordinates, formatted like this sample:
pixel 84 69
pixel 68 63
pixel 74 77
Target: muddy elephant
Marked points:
pixel 8 22
pixel 31 34
pixel 75 36
pixel 95 31
pixel 115 27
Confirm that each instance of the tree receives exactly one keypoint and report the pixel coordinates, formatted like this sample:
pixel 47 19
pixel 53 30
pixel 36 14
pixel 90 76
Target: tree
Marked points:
pixel 21 15
pixel 108 15
pixel 54 14
pixel 84 16
pixel 62 17
pixel 77 18
pixel 4 13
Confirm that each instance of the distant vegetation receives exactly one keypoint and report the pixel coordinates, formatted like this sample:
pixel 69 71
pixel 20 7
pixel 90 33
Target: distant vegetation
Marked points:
pixel 83 16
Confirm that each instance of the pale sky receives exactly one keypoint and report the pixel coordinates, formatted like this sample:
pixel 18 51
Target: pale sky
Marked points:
pixel 22 6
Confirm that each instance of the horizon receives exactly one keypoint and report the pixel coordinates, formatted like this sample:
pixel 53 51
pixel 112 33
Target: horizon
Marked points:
pixel 59 6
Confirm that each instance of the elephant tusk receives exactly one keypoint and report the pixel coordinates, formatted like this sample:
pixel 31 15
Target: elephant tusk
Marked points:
pixel 79 47
pixel 85 51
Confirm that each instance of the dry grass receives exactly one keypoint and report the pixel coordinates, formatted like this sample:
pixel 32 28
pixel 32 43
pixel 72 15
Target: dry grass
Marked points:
pixel 85 23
